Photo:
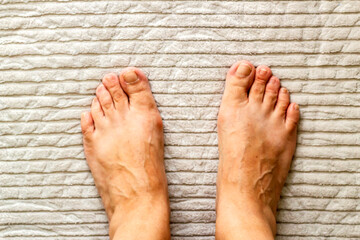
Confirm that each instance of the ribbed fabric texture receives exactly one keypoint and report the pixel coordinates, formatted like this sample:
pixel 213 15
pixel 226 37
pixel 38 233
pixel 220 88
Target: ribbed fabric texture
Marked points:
pixel 53 55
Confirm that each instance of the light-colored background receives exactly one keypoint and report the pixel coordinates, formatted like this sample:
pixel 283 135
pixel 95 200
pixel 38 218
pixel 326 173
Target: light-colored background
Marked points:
pixel 53 55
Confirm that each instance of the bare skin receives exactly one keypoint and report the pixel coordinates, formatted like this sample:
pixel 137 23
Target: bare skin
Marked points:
pixel 124 147
pixel 123 143
pixel 257 138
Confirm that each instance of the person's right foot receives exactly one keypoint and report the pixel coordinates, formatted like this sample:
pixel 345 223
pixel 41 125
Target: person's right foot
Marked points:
pixel 257 140
pixel 124 147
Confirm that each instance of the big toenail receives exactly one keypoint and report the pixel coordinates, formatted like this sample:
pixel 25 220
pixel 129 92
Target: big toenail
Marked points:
pixel 263 72
pixel 130 77
pixel 243 70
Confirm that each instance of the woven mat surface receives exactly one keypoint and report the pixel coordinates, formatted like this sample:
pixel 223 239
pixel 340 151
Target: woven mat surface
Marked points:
pixel 53 55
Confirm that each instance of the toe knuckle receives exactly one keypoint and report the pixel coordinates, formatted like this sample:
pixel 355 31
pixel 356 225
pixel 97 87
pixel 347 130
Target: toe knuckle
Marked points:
pixel 86 132
pixel 117 95
pixel 257 89
pixel 107 103
pixel 261 81
pixel 271 90
pixel 283 106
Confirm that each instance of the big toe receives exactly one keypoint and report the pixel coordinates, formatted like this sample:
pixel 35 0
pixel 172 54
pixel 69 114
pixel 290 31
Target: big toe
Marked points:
pixel 238 81
pixel 136 85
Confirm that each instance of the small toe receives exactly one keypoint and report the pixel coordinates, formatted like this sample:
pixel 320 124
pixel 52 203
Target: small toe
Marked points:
pixel 257 90
pixel 238 81
pixel 292 116
pixel 87 124
pixel 105 99
pixel 112 84
pixel 136 85
pixel 271 93
pixel 282 102
pixel 96 112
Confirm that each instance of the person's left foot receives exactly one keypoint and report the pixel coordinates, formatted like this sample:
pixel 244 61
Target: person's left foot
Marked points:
pixel 257 139
pixel 124 147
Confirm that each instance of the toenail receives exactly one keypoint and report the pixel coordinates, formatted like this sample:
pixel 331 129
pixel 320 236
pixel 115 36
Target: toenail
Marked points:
pixel 296 107
pixel 284 90
pixel 243 70
pixel 130 77
pixel 263 72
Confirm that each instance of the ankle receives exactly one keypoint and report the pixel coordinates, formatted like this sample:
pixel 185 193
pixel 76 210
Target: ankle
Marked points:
pixel 153 217
pixel 245 218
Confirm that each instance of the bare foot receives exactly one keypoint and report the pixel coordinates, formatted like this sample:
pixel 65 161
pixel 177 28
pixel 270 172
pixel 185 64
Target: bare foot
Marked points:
pixel 123 144
pixel 257 140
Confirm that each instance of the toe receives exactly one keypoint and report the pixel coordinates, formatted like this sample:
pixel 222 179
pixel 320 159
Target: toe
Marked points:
pixel 271 93
pixel 238 81
pixel 96 112
pixel 292 116
pixel 87 124
pixel 136 85
pixel 105 100
pixel 282 102
pixel 111 83
pixel 257 90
